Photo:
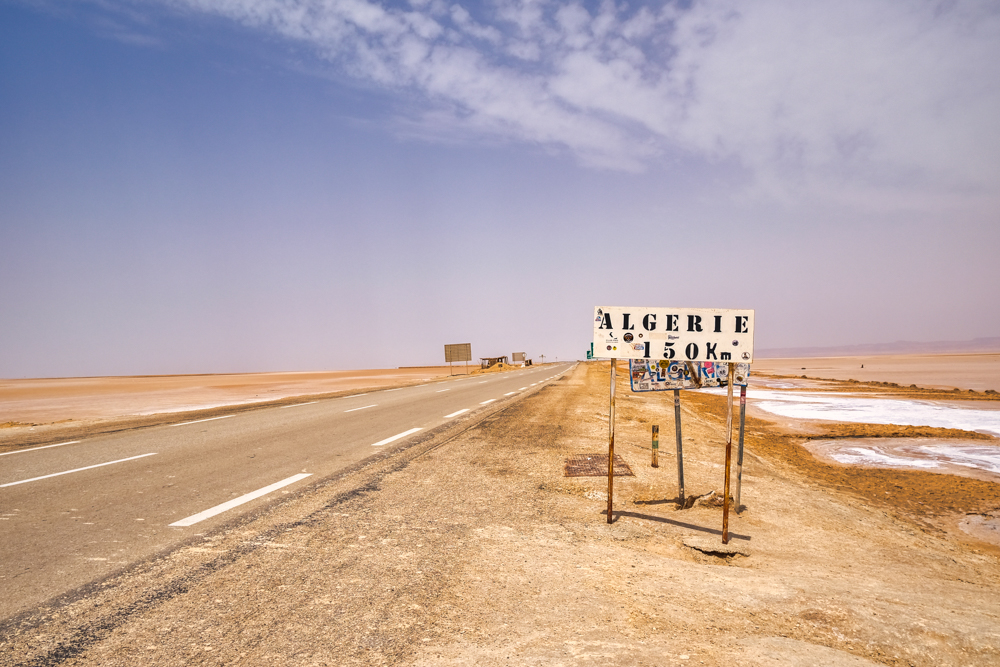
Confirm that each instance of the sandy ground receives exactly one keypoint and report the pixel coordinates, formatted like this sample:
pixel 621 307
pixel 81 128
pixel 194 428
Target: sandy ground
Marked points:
pixel 470 547
pixel 939 371
pixel 37 410
pixel 49 400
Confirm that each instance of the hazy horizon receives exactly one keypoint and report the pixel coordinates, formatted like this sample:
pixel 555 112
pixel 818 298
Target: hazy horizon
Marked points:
pixel 195 186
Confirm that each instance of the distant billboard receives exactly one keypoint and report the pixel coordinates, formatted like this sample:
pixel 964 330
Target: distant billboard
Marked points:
pixel 674 334
pixel 517 356
pixel 458 352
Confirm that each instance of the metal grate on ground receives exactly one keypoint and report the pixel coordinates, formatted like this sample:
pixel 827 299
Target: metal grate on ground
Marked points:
pixel 595 465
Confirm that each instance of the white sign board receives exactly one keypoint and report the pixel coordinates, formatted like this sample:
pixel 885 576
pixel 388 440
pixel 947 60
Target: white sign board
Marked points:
pixel 674 334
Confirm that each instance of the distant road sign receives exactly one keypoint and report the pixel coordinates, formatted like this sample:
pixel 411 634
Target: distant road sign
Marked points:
pixel 517 356
pixel 673 334
pixel 458 352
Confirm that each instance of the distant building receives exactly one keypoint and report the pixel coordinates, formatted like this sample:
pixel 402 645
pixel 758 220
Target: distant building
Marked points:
pixel 487 362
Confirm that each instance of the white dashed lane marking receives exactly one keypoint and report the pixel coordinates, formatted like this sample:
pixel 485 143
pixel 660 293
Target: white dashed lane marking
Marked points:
pixel 198 421
pixel 236 502
pixel 66 472
pixel 395 437
pixel 59 444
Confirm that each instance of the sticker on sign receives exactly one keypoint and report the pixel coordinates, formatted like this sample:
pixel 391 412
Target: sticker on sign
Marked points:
pixel 682 334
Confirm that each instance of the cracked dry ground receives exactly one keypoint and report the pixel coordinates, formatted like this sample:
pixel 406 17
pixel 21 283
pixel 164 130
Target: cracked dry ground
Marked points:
pixel 471 547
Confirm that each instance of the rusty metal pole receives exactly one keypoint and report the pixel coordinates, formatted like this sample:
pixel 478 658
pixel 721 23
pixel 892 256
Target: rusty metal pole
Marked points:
pixel 729 454
pixel 680 446
pixel 656 445
pixel 739 451
pixel 611 442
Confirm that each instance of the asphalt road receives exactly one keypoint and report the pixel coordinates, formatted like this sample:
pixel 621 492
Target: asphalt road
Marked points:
pixel 73 513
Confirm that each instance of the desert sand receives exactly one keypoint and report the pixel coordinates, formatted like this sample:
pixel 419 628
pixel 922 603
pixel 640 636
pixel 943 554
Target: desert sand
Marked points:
pixel 35 411
pixel 979 372
pixel 46 401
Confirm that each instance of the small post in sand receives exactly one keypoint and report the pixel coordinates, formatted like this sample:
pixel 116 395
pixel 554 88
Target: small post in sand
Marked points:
pixel 729 453
pixel 656 445
pixel 739 451
pixel 680 446
pixel 611 442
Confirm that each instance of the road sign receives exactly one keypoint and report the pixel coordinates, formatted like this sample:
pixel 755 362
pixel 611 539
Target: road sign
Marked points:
pixel 458 352
pixel 517 356
pixel 651 375
pixel 674 334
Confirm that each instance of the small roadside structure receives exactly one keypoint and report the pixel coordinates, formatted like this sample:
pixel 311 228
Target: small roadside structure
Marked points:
pixel 487 362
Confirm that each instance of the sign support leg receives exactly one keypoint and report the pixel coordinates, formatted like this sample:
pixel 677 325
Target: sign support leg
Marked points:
pixel 680 446
pixel 729 454
pixel 611 442
pixel 656 445
pixel 739 452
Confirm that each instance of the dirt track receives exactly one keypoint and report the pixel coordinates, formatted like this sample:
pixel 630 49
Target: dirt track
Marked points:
pixel 472 548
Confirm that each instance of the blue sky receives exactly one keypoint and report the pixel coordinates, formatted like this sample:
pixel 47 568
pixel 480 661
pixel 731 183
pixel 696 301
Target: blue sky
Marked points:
pixel 249 185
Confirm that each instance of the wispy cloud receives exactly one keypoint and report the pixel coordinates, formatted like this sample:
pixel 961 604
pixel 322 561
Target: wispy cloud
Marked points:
pixel 870 93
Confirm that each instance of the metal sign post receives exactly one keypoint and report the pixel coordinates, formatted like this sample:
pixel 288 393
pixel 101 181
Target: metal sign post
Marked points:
pixel 611 442
pixel 729 452
pixel 739 453
pixel 680 446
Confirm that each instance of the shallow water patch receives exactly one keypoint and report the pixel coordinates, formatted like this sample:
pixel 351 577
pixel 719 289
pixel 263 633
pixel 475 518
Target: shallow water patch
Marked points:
pixel 969 458
pixel 844 407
